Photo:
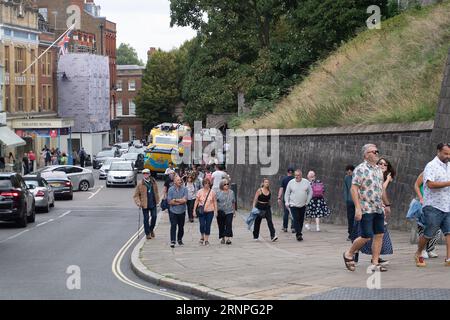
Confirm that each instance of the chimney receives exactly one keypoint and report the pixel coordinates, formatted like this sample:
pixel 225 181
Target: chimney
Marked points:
pixel 151 52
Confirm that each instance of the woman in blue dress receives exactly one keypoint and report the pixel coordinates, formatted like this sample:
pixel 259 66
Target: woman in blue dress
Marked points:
pixel 386 248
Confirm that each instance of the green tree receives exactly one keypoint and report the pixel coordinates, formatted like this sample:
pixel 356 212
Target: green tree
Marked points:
pixel 160 90
pixel 127 55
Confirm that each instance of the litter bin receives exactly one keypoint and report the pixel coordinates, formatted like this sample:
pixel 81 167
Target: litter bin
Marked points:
pixel 235 190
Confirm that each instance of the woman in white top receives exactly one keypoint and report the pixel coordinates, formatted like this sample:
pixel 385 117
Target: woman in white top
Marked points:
pixel 192 194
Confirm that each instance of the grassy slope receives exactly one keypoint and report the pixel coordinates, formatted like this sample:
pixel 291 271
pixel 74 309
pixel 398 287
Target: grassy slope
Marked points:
pixel 381 76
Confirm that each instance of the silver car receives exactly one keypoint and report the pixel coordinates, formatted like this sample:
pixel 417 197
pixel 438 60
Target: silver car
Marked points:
pixel 103 172
pixel 44 196
pixel 121 174
pixel 82 178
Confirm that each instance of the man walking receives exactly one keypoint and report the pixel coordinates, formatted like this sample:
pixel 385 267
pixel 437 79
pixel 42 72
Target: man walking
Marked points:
pixel 281 193
pixel 32 158
pixel 369 198
pixel 298 195
pixel 82 156
pixel 436 209
pixel 25 164
pixel 348 199
pixel 177 199
pixel 146 197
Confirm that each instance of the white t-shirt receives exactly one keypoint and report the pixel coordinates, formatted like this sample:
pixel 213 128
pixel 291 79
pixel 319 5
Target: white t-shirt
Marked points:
pixel 169 171
pixel 217 178
pixel 437 171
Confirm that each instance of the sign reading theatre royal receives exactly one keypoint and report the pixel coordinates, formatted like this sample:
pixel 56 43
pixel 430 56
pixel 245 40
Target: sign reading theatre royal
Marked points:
pixel 42 123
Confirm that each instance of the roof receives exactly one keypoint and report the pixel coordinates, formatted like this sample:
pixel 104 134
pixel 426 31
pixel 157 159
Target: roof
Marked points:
pixel 130 67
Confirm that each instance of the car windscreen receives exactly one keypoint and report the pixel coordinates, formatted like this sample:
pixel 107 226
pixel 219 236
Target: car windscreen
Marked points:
pixel 121 166
pixel 130 156
pixel 5 183
pixel 166 140
pixel 33 183
pixel 109 153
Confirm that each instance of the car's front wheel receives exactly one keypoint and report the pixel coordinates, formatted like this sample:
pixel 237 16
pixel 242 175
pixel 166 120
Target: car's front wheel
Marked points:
pixel 32 217
pixel 23 221
pixel 84 186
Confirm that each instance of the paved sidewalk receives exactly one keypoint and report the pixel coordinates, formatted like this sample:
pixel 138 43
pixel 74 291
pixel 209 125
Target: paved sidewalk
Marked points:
pixel 286 269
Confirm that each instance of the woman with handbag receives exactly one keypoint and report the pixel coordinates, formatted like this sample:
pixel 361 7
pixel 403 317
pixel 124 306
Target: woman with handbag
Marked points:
pixel 205 208
pixel 226 206
pixel 262 203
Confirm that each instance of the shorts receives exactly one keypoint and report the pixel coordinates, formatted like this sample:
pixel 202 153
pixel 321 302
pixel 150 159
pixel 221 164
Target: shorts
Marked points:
pixel 435 219
pixel 371 224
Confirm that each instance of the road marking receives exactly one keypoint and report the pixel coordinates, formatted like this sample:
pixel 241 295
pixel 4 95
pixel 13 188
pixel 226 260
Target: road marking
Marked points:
pixel 16 235
pixel 64 214
pixel 96 192
pixel 119 274
pixel 43 223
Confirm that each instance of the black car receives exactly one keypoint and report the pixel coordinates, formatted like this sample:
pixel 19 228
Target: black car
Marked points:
pixel 16 201
pixel 61 184
pixel 101 157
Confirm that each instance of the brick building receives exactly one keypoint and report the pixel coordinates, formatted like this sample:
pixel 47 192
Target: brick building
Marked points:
pixel 129 82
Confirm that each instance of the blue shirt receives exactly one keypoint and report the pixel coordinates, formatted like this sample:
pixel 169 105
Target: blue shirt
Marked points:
pixel 177 193
pixel 285 182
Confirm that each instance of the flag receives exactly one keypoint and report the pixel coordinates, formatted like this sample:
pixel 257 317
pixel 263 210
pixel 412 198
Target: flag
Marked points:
pixel 64 43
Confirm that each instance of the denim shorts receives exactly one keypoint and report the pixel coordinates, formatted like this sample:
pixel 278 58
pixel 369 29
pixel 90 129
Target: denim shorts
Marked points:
pixel 371 224
pixel 435 219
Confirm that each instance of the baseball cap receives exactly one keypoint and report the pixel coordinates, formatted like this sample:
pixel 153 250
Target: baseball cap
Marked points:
pixel 146 171
pixel 290 169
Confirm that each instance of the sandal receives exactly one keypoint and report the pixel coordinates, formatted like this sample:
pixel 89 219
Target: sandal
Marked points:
pixel 349 263
pixel 379 267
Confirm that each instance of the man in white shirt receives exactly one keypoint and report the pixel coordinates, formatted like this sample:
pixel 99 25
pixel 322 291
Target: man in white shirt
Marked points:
pixel 436 209
pixel 217 177
pixel 169 170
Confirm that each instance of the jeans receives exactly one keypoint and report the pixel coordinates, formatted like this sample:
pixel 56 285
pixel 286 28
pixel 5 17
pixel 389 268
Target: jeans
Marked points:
pixel 176 220
pixel 286 218
pixel 435 219
pixel 148 227
pixel 225 223
pixel 350 217
pixel 269 224
pixel 190 209
pixel 205 220
pixel 299 218
pixel 372 224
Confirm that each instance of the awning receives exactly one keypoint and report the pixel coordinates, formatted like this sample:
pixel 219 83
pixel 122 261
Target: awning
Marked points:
pixel 9 138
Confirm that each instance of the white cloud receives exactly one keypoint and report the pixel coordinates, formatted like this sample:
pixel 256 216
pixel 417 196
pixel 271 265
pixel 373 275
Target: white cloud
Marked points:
pixel 144 24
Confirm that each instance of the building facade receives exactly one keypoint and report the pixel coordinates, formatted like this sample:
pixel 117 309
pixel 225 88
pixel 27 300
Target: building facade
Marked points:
pixel 129 82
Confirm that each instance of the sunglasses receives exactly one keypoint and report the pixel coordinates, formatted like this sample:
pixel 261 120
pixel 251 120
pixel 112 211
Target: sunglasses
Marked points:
pixel 226 184
pixel 374 152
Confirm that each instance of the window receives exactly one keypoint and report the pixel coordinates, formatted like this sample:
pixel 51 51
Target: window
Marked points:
pixel 7 59
pixel 19 65
pixel 119 85
pixel 49 63
pixel 132 85
pixel 50 97
pixel 7 98
pixel 33 97
pixel 132 134
pixel 132 108
pixel 43 64
pixel 44 97
pixel 33 57
pixel 44 13
pixel 20 98
pixel 119 108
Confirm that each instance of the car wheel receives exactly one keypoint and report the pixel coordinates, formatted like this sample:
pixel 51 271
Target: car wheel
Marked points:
pixel 84 186
pixel 108 186
pixel 23 221
pixel 70 197
pixel 47 208
pixel 32 218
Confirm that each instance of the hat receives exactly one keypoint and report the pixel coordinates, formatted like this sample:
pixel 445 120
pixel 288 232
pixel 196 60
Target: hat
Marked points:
pixel 290 169
pixel 146 171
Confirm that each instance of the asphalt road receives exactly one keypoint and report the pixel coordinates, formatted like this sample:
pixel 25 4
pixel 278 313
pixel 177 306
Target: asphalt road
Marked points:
pixel 79 237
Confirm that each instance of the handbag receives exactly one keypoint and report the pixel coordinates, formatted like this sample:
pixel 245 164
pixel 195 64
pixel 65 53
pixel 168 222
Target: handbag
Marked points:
pixel 201 209
pixel 164 204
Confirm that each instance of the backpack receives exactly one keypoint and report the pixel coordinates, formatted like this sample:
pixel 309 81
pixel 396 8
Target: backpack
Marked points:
pixel 318 189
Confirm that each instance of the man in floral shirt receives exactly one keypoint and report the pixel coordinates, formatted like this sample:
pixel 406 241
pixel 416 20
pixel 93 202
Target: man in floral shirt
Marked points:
pixel 371 204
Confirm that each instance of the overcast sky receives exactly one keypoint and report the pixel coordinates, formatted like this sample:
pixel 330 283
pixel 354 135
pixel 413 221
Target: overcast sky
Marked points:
pixel 144 24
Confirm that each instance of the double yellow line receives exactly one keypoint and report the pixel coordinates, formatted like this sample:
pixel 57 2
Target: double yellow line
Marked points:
pixel 119 274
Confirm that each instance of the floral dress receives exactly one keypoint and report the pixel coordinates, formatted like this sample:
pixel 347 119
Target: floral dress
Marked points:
pixel 317 207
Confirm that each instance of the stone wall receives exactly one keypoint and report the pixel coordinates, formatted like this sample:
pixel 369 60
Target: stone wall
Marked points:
pixel 327 151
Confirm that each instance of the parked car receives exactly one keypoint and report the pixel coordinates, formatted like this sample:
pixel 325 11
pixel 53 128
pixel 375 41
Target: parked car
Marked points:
pixel 103 172
pixel 134 149
pixel 16 201
pixel 82 178
pixel 122 173
pixel 44 196
pixel 61 184
pixel 101 157
pixel 136 158
pixel 123 147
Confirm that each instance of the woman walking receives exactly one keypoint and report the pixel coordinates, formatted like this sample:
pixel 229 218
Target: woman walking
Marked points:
pixel 192 194
pixel 226 211
pixel 205 208
pixel 386 248
pixel 261 202
pixel 317 207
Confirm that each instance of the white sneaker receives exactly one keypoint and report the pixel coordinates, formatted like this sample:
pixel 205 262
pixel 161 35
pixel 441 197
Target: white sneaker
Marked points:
pixel 425 255
pixel 432 254
pixel 317 228
pixel 307 227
